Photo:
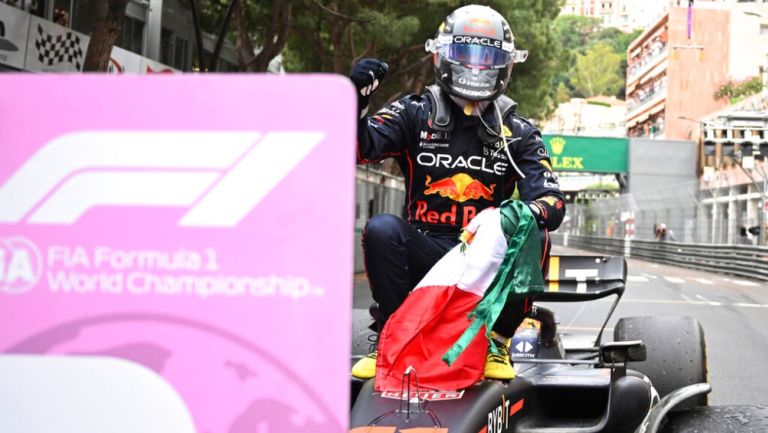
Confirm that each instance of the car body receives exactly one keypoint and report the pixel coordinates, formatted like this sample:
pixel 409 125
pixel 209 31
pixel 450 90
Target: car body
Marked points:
pixel 565 383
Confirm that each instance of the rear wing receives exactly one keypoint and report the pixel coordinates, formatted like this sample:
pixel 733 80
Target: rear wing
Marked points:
pixel 583 278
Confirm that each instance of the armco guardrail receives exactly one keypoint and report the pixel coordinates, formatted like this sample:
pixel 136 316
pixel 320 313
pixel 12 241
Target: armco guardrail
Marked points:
pixel 741 260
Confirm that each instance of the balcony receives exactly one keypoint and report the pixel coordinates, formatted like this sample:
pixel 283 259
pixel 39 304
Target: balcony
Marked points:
pixel 657 53
pixel 645 99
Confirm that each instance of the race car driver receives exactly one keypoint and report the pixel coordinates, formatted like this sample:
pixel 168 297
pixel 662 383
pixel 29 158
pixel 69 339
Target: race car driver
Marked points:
pixel 462 148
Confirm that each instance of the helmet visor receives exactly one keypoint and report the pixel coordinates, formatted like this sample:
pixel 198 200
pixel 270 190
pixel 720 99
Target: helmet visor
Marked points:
pixel 476 55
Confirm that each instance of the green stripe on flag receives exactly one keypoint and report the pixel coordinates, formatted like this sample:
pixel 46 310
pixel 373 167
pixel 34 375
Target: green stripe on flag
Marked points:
pixel 519 274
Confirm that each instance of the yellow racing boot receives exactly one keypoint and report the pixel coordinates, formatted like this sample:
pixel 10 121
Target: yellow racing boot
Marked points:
pixel 365 368
pixel 498 365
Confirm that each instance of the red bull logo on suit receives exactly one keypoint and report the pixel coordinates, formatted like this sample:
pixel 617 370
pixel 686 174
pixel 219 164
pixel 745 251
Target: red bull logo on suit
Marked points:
pixel 459 188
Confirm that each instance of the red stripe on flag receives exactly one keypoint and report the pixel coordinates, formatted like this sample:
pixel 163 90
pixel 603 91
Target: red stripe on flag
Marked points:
pixel 425 326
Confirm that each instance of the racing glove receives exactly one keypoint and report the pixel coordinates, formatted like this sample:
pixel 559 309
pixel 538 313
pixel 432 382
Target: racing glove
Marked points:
pixel 366 75
pixel 548 211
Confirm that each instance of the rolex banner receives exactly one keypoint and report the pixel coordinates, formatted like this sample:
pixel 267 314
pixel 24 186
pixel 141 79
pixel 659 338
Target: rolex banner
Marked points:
pixel 587 154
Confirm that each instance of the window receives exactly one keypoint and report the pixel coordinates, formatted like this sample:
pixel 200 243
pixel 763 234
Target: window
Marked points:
pixel 82 19
pixel 180 54
pixel 62 12
pixel 35 7
pixel 174 51
pixel 132 36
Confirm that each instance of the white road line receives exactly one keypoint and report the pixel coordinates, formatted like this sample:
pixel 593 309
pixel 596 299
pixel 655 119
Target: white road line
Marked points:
pixel 704 281
pixel 637 279
pixel 576 316
pixel 708 301
pixel 675 280
pixel 688 301
pixel 662 301
pixel 745 283
pixel 646 275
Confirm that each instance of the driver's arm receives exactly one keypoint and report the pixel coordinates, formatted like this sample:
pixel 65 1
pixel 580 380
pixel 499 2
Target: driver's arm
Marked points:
pixel 386 133
pixel 539 189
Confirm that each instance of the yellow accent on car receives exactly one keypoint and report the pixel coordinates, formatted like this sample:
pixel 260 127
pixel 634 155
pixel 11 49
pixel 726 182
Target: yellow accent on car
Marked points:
pixel 554 274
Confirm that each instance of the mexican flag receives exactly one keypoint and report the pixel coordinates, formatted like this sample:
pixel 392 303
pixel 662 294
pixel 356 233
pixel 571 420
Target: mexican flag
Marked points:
pixel 437 329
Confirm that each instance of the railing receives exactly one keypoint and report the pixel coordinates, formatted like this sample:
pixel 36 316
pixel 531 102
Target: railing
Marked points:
pixel 652 95
pixel 642 66
pixel 744 261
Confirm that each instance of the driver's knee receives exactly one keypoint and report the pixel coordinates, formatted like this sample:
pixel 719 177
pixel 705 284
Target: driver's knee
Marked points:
pixel 382 230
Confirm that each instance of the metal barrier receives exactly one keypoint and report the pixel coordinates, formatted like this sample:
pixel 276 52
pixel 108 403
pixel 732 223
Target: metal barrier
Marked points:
pixel 744 261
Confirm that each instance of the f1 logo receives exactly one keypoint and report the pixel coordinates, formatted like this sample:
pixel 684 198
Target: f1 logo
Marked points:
pixel 221 176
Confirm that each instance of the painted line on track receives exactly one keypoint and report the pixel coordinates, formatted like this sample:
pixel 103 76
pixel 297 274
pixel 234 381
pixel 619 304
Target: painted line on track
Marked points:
pixel 637 279
pixel 745 283
pixel 704 281
pixel 688 301
pixel 708 301
pixel 675 280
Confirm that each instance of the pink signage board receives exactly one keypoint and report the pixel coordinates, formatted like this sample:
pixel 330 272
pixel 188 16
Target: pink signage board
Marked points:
pixel 176 253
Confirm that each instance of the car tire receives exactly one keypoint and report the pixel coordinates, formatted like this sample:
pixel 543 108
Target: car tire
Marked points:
pixel 676 352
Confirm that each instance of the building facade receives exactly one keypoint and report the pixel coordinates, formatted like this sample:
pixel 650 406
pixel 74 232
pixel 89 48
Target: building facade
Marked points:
pixel 157 36
pixel 734 172
pixel 626 15
pixel 672 79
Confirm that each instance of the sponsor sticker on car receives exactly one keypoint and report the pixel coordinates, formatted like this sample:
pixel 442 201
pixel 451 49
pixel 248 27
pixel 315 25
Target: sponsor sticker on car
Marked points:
pixel 424 395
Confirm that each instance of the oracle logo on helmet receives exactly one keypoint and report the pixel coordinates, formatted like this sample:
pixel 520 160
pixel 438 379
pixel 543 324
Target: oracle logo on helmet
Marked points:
pixel 473 53
pixel 488 42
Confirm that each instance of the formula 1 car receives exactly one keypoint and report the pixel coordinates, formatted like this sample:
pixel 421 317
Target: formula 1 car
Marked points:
pixel 565 383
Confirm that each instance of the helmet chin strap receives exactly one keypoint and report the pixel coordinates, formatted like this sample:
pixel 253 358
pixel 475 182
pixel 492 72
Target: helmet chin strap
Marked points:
pixel 471 108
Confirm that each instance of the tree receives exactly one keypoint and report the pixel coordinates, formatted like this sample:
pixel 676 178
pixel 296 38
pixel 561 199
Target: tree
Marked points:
pixel 533 26
pixel 330 36
pixel 597 71
pixel 572 33
pixel 272 37
pixel 576 35
pixel 108 19
pixel 575 32
pixel 562 94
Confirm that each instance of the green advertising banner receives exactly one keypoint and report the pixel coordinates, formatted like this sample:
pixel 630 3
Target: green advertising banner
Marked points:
pixel 587 154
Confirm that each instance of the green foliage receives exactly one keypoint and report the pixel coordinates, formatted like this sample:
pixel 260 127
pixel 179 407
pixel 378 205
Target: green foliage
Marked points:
pixel 597 72
pixel 576 35
pixel 331 35
pixel 735 91
pixel 532 23
pixel 562 94
pixel 575 32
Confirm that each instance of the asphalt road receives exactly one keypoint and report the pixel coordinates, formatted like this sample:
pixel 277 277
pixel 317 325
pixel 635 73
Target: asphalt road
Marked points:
pixel 732 311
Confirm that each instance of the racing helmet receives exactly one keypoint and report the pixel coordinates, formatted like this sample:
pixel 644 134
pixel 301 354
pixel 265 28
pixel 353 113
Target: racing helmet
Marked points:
pixel 473 53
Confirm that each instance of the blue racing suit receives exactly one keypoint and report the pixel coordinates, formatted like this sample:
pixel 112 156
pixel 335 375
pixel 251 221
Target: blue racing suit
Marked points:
pixel 451 174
